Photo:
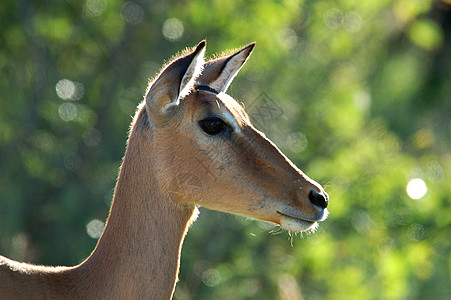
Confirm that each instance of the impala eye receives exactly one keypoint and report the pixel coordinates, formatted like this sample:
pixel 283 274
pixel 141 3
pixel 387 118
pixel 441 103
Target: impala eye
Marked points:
pixel 213 125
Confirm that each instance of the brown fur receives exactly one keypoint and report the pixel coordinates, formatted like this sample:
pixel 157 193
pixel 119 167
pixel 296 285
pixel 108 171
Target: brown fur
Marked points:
pixel 170 166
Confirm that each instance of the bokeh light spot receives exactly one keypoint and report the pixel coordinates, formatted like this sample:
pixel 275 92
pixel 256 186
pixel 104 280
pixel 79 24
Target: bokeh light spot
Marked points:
pixel 69 90
pixel 95 228
pixel 416 188
pixel 65 89
pixel 211 277
pixel 92 137
pixel 333 18
pixel 172 29
pixel 132 13
pixel 72 161
pixel 68 111
pixel 296 142
pixel 288 38
pixel 352 22
pixel 94 8
pixel 362 100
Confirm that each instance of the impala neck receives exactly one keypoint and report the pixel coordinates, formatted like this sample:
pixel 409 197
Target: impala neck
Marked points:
pixel 138 254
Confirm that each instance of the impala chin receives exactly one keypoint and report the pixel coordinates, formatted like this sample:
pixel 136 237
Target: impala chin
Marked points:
pixel 299 224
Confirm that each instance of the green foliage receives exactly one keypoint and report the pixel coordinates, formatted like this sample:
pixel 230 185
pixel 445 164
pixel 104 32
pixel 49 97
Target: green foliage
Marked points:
pixel 362 93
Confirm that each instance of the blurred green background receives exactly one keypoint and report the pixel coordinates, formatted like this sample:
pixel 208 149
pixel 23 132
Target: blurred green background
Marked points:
pixel 356 93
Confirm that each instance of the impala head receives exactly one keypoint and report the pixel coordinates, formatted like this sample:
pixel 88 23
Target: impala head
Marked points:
pixel 209 154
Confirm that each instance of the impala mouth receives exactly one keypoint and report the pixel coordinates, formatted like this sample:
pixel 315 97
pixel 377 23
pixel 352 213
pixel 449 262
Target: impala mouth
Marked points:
pixel 297 223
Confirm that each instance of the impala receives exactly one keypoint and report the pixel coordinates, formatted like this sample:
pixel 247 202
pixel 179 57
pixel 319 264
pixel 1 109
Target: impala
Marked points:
pixel 185 119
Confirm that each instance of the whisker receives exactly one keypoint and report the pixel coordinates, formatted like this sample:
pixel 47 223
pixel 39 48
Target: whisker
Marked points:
pixel 290 237
pixel 276 230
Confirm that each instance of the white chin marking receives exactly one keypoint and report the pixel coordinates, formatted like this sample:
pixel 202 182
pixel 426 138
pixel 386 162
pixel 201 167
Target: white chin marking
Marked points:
pixel 297 225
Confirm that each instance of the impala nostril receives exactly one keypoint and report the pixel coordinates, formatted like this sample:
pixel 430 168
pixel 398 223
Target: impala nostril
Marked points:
pixel 318 199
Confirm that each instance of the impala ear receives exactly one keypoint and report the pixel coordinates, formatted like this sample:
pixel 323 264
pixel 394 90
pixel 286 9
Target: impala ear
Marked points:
pixel 174 82
pixel 219 73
